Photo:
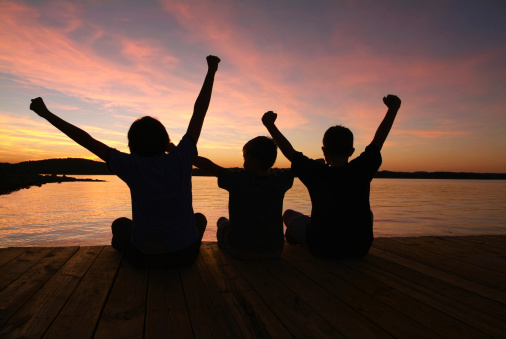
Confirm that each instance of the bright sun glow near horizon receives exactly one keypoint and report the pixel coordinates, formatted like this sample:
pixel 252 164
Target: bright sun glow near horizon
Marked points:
pixel 101 64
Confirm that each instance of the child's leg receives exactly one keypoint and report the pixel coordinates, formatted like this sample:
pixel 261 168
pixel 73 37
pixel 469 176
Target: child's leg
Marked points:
pixel 121 233
pixel 201 223
pixel 223 224
pixel 296 227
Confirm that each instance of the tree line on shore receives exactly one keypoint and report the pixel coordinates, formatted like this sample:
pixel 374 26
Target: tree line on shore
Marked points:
pixel 78 166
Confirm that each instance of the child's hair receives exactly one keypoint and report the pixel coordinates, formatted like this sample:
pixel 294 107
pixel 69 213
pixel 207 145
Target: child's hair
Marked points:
pixel 147 137
pixel 338 141
pixel 262 150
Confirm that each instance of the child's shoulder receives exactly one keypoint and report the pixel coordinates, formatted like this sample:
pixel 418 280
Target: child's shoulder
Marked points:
pixel 371 156
pixel 281 177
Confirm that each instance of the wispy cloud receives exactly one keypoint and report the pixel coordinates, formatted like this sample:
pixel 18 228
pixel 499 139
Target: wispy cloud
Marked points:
pixel 316 64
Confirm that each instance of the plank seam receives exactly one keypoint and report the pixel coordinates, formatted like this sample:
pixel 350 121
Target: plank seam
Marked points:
pixel 107 296
pixel 186 301
pixel 353 307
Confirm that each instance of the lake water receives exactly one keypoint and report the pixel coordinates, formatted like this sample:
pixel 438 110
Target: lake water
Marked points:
pixel 80 213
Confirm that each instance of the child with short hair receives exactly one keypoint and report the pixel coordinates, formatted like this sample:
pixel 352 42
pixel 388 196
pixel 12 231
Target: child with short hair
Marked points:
pixel 164 230
pixel 255 229
pixel 341 222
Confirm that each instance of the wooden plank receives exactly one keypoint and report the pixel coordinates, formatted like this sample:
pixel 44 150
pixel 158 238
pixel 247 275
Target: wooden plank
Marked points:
pixel 439 260
pixel 297 316
pixel 123 314
pixel 246 328
pixel 36 315
pixel 464 284
pixel 79 316
pixel 15 268
pixel 209 314
pixel 479 243
pixel 498 241
pixel 471 257
pixel 8 254
pixel 14 296
pixel 463 251
pixel 346 319
pixel 252 314
pixel 229 303
pixel 404 287
pixel 452 318
pixel 228 321
pixel 166 312
pixel 368 297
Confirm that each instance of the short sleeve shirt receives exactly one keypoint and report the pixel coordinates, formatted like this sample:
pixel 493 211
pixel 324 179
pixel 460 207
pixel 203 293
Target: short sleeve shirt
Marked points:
pixel 256 208
pixel 161 194
pixel 341 219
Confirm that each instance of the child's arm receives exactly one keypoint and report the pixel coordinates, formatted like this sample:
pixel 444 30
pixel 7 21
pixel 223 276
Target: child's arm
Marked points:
pixel 207 165
pixel 202 102
pixel 393 103
pixel 73 132
pixel 284 145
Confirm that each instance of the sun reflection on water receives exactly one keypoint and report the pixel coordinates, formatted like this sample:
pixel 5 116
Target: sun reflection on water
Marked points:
pixel 80 213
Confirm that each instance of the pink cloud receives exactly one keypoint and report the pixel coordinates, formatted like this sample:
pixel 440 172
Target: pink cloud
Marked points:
pixel 431 134
pixel 45 56
pixel 312 80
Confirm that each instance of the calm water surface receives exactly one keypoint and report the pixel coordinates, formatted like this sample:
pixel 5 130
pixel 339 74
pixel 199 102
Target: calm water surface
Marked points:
pixel 80 213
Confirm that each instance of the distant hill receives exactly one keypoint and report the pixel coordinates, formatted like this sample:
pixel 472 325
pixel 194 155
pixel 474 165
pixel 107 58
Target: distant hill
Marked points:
pixel 67 166
pixel 75 166
pixel 56 166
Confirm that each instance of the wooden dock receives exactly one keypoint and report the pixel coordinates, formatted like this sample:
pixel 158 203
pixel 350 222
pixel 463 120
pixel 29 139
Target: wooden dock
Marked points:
pixel 446 287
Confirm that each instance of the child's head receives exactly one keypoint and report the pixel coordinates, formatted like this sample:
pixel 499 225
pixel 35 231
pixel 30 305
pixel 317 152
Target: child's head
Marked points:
pixel 147 137
pixel 338 142
pixel 260 152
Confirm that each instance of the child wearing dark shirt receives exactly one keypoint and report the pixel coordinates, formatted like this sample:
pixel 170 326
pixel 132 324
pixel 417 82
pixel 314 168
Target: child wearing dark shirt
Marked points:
pixel 164 230
pixel 341 222
pixel 255 229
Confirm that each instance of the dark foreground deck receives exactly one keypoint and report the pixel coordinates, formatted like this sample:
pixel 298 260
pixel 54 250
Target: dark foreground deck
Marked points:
pixel 451 287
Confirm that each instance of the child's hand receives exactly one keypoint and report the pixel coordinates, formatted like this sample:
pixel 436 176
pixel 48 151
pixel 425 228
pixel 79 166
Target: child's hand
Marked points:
pixel 212 62
pixel 269 118
pixel 392 101
pixel 38 106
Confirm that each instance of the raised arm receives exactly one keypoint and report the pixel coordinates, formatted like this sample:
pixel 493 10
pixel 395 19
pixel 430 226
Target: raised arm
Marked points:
pixel 73 132
pixel 203 100
pixel 284 145
pixel 207 165
pixel 393 103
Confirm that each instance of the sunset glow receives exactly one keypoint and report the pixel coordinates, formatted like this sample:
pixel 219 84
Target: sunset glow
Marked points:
pixel 102 64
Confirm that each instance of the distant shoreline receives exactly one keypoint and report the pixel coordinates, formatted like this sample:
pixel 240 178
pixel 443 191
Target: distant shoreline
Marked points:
pixel 14 177
pixel 14 182
pixel 412 175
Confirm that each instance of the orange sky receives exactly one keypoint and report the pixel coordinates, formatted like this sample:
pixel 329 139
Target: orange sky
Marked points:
pixel 100 65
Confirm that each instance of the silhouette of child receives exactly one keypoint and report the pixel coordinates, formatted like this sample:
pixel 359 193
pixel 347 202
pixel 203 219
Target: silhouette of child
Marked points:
pixel 255 229
pixel 164 230
pixel 341 222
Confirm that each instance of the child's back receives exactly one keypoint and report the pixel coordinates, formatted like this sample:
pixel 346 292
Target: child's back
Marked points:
pixel 255 209
pixel 164 230
pixel 341 218
pixel 161 197
pixel 255 228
